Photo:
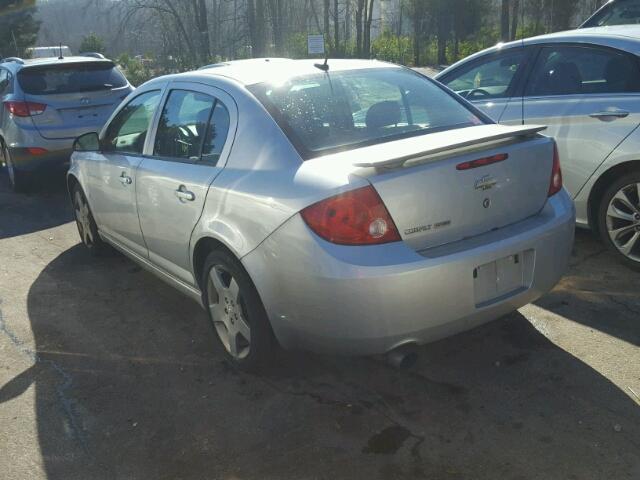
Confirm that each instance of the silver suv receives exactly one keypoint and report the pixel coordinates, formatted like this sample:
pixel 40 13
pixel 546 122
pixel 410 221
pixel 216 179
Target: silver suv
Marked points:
pixel 47 103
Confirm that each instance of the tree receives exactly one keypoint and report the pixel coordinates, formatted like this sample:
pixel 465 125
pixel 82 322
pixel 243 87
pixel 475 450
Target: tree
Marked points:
pixel 18 28
pixel 504 21
pixel 92 43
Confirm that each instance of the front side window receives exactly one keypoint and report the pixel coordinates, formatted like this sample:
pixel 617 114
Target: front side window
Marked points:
pixel 327 112
pixel 568 70
pixel 128 130
pixel 183 126
pixel 489 78
pixel 70 78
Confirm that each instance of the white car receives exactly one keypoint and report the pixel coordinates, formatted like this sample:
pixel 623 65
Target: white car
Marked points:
pixel 585 86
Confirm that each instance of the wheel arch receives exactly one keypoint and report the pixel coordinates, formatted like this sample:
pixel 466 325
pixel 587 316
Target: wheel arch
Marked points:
pixel 600 186
pixel 201 250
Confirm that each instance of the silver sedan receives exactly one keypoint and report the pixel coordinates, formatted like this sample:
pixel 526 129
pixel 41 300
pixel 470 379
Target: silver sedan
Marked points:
pixel 585 86
pixel 354 208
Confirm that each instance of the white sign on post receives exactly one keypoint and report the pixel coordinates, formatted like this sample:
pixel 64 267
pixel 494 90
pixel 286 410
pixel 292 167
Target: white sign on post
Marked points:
pixel 315 44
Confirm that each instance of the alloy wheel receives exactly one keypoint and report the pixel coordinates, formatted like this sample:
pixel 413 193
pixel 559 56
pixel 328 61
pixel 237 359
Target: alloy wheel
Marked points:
pixel 83 219
pixel 228 312
pixel 623 221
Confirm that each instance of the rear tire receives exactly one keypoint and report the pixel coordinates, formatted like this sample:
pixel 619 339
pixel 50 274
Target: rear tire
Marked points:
pixel 86 224
pixel 19 180
pixel 619 218
pixel 236 312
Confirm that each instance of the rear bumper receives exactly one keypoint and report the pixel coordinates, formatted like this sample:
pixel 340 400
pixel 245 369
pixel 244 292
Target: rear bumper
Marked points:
pixel 368 300
pixel 57 156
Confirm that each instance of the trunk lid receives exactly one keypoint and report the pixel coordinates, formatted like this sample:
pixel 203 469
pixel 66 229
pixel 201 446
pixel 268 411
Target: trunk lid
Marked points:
pixel 70 115
pixel 433 203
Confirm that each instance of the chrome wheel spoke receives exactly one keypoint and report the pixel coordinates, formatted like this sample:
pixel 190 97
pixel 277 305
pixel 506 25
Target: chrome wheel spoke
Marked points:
pixel 243 328
pixel 623 198
pixel 615 234
pixel 234 290
pixel 628 246
pixel 614 212
pixel 217 282
pixel 233 345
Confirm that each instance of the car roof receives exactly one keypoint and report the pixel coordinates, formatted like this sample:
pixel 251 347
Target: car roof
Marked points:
pixel 258 70
pixel 35 62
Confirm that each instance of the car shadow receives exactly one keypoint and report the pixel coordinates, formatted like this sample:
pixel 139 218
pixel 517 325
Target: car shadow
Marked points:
pixel 46 205
pixel 598 291
pixel 129 384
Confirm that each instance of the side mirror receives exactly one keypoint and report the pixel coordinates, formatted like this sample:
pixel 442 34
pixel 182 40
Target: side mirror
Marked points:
pixel 89 142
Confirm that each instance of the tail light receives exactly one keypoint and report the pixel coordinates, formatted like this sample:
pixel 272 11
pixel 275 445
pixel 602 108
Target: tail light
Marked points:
pixel 25 109
pixel 357 217
pixel 36 150
pixel 556 173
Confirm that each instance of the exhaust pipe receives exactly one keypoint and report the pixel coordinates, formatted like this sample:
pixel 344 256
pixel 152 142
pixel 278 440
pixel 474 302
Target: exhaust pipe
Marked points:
pixel 403 357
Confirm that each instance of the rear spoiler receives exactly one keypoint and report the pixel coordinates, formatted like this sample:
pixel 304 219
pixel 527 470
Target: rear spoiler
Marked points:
pixel 442 142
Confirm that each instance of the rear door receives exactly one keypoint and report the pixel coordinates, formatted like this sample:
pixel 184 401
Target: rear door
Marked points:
pixel 490 82
pixel 589 98
pixel 191 144
pixel 78 97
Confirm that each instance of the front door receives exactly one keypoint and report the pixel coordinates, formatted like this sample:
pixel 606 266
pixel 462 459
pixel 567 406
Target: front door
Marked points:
pixel 589 98
pixel 189 150
pixel 112 177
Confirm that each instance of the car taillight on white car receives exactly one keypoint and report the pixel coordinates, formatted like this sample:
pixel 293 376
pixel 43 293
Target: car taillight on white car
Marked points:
pixel 356 217
pixel 25 109
pixel 556 173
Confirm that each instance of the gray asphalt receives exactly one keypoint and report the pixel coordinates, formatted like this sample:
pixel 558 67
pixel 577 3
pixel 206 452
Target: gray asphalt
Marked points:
pixel 107 373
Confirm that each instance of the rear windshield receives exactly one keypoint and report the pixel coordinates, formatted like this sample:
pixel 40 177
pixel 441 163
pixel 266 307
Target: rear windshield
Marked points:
pixel 329 112
pixel 70 78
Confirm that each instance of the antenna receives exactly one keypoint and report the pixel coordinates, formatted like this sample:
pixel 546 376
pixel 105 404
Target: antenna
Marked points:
pixel 323 66
pixel 60 57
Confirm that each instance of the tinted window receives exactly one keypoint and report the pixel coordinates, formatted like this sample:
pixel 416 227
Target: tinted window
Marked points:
pixel 622 12
pixel 70 78
pixel 580 70
pixel 128 130
pixel 490 78
pixel 217 131
pixel 183 125
pixel 326 112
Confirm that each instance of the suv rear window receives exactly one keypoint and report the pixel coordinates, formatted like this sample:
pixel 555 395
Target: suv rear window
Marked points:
pixel 70 78
pixel 328 112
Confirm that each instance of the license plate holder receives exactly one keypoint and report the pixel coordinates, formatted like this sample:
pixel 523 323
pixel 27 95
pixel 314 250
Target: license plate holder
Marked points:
pixel 502 278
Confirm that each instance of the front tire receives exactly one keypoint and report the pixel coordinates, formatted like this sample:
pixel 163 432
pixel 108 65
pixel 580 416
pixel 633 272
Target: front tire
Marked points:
pixel 619 218
pixel 87 228
pixel 236 312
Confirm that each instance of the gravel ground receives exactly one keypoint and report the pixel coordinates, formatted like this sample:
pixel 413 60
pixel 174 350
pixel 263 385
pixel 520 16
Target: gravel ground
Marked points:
pixel 107 373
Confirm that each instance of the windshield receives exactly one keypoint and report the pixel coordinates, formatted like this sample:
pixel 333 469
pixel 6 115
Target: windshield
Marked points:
pixel 327 112
pixel 70 78
pixel 622 12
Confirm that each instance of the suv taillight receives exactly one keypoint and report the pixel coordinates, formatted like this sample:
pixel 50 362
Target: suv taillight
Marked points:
pixel 556 173
pixel 356 217
pixel 25 109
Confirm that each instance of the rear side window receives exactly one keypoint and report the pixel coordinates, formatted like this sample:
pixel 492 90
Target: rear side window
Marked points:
pixel 568 70
pixel 328 112
pixel 127 132
pixel 489 78
pixel 70 78
pixel 183 125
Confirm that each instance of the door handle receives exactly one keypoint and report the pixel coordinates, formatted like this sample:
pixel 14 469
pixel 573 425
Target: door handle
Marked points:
pixel 125 179
pixel 610 113
pixel 183 194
